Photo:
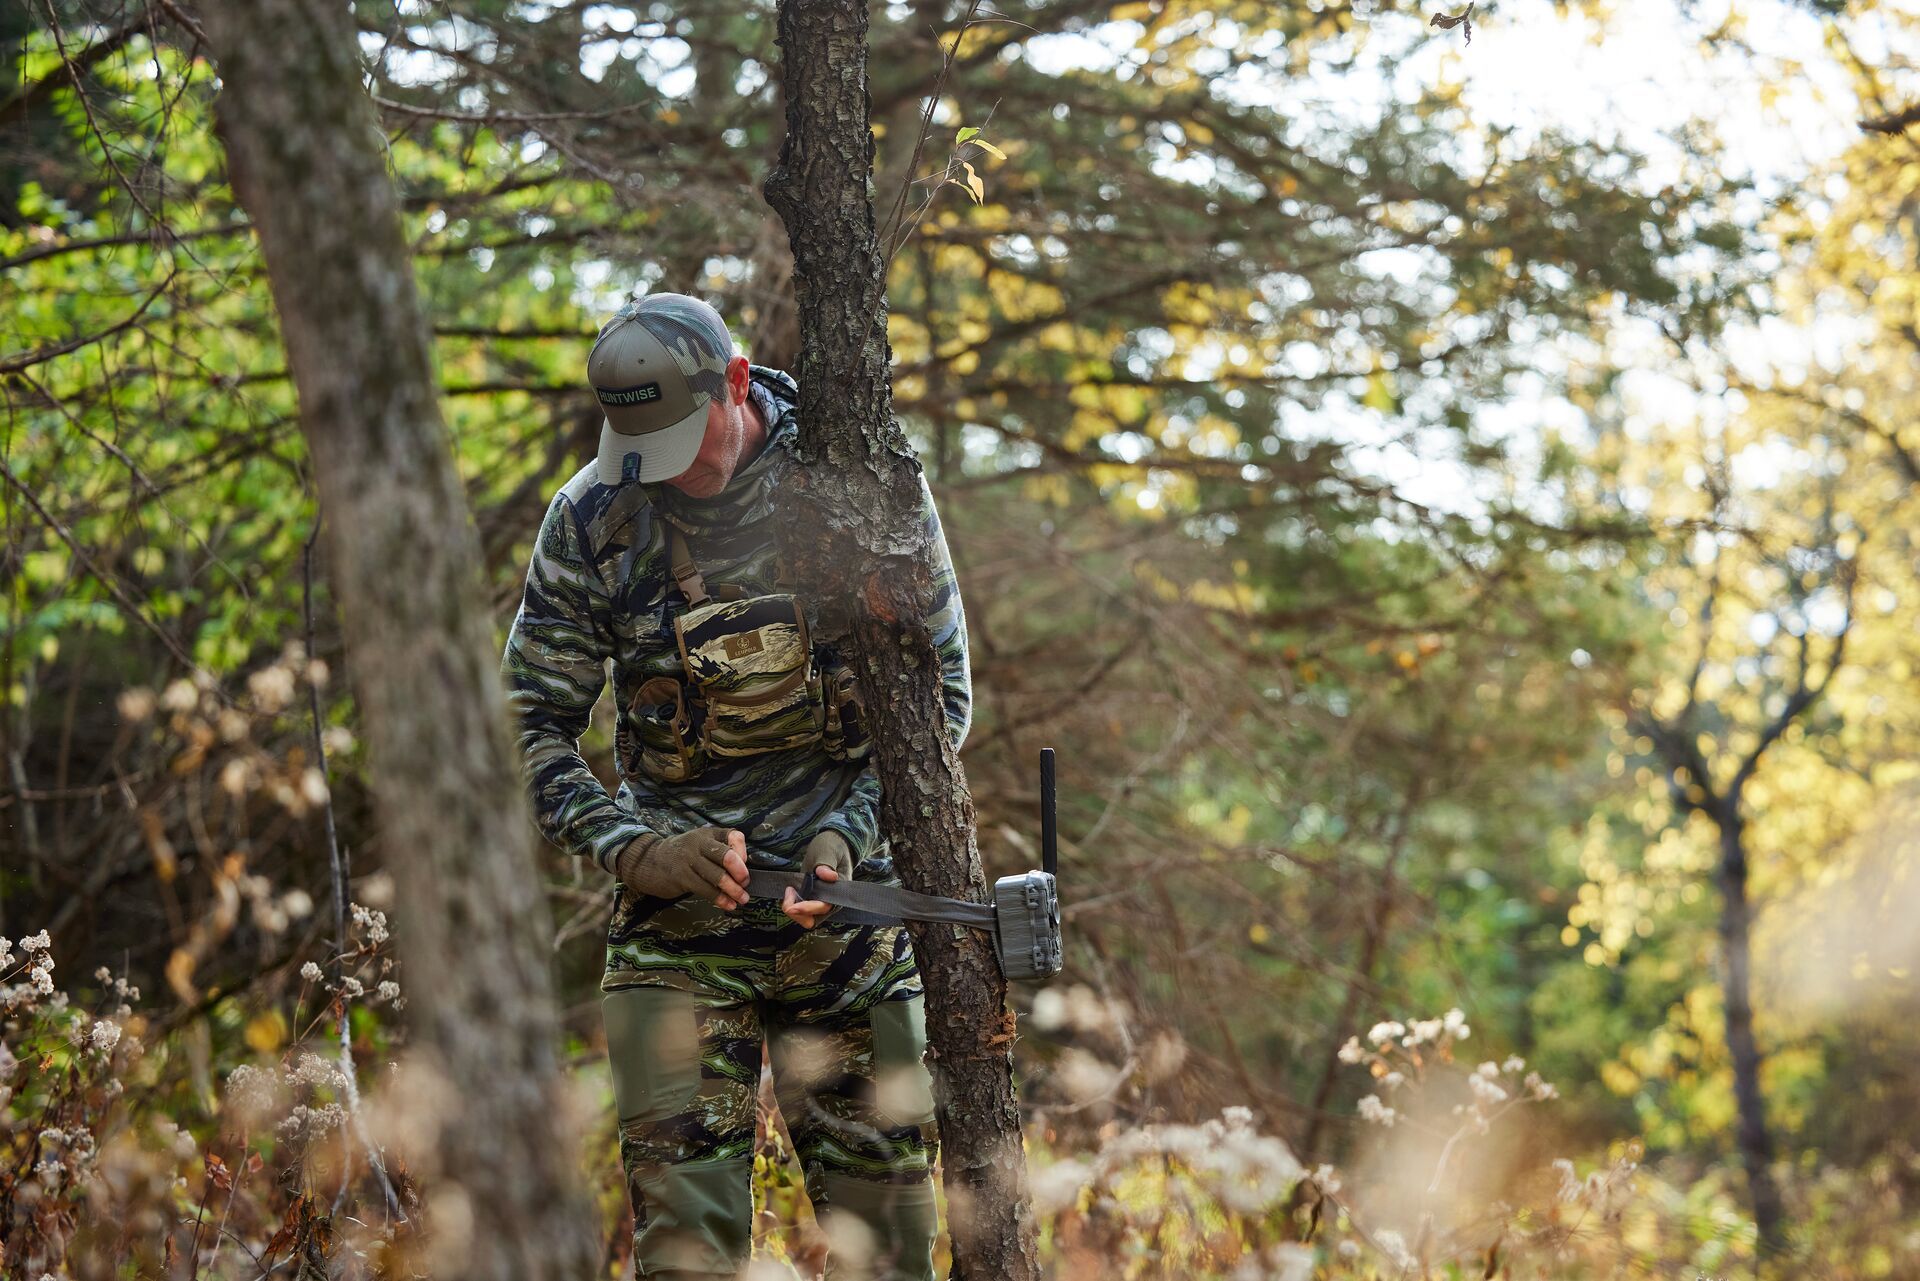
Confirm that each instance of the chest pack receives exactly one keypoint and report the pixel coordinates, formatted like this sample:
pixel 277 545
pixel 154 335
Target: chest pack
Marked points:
pixel 753 682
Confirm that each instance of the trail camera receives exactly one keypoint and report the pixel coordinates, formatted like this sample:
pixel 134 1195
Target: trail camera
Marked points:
pixel 1024 916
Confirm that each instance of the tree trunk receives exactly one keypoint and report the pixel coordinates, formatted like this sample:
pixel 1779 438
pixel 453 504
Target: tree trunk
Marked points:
pixel 1756 1145
pixel 305 160
pixel 852 538
pixel 1360 982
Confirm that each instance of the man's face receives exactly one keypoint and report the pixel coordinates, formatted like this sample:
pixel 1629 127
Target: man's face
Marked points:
pixel 725 441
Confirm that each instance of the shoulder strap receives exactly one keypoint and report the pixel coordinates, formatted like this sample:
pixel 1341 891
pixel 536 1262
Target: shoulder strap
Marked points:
pixel 685 572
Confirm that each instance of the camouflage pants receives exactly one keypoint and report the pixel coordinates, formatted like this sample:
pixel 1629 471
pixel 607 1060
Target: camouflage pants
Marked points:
pixel 690 995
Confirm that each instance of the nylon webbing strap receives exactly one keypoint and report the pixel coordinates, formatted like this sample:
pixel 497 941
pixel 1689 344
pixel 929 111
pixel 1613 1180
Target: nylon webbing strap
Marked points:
pixel 685 572
pixel 864 903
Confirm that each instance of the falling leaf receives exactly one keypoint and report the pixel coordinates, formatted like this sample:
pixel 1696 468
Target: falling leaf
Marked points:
pixel 1447 22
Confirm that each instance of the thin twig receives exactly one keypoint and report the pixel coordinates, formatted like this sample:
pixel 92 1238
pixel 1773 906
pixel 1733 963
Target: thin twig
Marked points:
pixel 105 579
pixel 39 356
pixel 337 861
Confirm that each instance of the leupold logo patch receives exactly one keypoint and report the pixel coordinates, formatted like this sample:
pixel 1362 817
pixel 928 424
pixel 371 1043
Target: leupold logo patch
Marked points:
pixel 741 644
pixel 628 395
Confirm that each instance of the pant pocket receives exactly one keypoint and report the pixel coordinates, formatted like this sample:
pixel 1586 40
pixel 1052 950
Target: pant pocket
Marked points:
pixel 902 1086
pixel 697 1221
pixel 653 1045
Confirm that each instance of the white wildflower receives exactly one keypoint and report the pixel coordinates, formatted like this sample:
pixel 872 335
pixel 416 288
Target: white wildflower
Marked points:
pixel 297 904
pixel 181 696
pixel 40 942
pixel 41 979
pixel 271 687
pixel 1394 1080
pixel 1514 1063
pixel 1456 1024
pixel 388 990
pixel 351 987
pixel 1381 1033
pixel 1372 1109
pixel 1394 1246
pixel 1569 1180
pixel 233 724
pixel 1488 1069
pixel 374 923
pixel 1084 1078
pixel 1352 1052
pixel 1487 1090
pixel 236 776
pixel 1423 1030
pixel 1284 1262
pixel 105 1036
pixel 1058 1186
pixel 315 1070
pixel 311 972
pixel 311 1121
pixel 1540 1089
pixel 252 1091
pixel 103 974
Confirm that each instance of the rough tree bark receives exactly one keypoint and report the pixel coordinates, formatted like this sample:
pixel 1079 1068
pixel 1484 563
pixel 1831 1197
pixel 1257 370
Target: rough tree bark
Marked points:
pixel 851 535
pixel 304 156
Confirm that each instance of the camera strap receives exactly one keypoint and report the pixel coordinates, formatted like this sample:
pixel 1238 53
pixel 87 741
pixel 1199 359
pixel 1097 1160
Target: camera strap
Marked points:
pixel 870 903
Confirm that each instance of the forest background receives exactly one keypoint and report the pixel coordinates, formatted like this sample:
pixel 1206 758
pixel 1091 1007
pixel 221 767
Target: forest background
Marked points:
pixel 1451 504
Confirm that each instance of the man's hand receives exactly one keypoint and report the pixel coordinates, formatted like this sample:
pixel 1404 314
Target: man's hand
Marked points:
pixel 710 862
pixel 832 859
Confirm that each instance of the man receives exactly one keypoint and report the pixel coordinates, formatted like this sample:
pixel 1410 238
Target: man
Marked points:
pixel 677 508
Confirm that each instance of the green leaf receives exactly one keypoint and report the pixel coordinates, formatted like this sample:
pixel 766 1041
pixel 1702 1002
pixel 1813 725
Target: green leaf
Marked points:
pixel 1380 393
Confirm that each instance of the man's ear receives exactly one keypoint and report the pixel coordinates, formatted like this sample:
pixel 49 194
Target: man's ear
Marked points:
pixel 737 380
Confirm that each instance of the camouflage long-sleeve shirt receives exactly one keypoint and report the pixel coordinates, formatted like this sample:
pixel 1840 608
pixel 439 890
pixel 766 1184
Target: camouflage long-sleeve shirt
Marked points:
pixel 598 588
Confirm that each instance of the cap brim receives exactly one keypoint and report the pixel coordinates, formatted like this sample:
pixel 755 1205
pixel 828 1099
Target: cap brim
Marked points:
pixel 664 454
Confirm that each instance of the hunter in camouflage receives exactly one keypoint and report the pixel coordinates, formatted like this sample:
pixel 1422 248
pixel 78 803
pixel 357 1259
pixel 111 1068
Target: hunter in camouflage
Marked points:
pixel 691 990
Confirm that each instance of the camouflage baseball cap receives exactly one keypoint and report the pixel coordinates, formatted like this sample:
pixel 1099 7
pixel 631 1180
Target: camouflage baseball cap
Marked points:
pixel 655 368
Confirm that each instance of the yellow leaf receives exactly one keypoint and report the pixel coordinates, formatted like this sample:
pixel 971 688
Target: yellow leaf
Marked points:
pixel 977 187
pixel 267 1032
pixel 989 148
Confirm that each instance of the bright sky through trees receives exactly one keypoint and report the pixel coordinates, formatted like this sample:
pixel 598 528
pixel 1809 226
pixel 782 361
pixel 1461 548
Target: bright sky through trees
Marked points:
pixel 1778 104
